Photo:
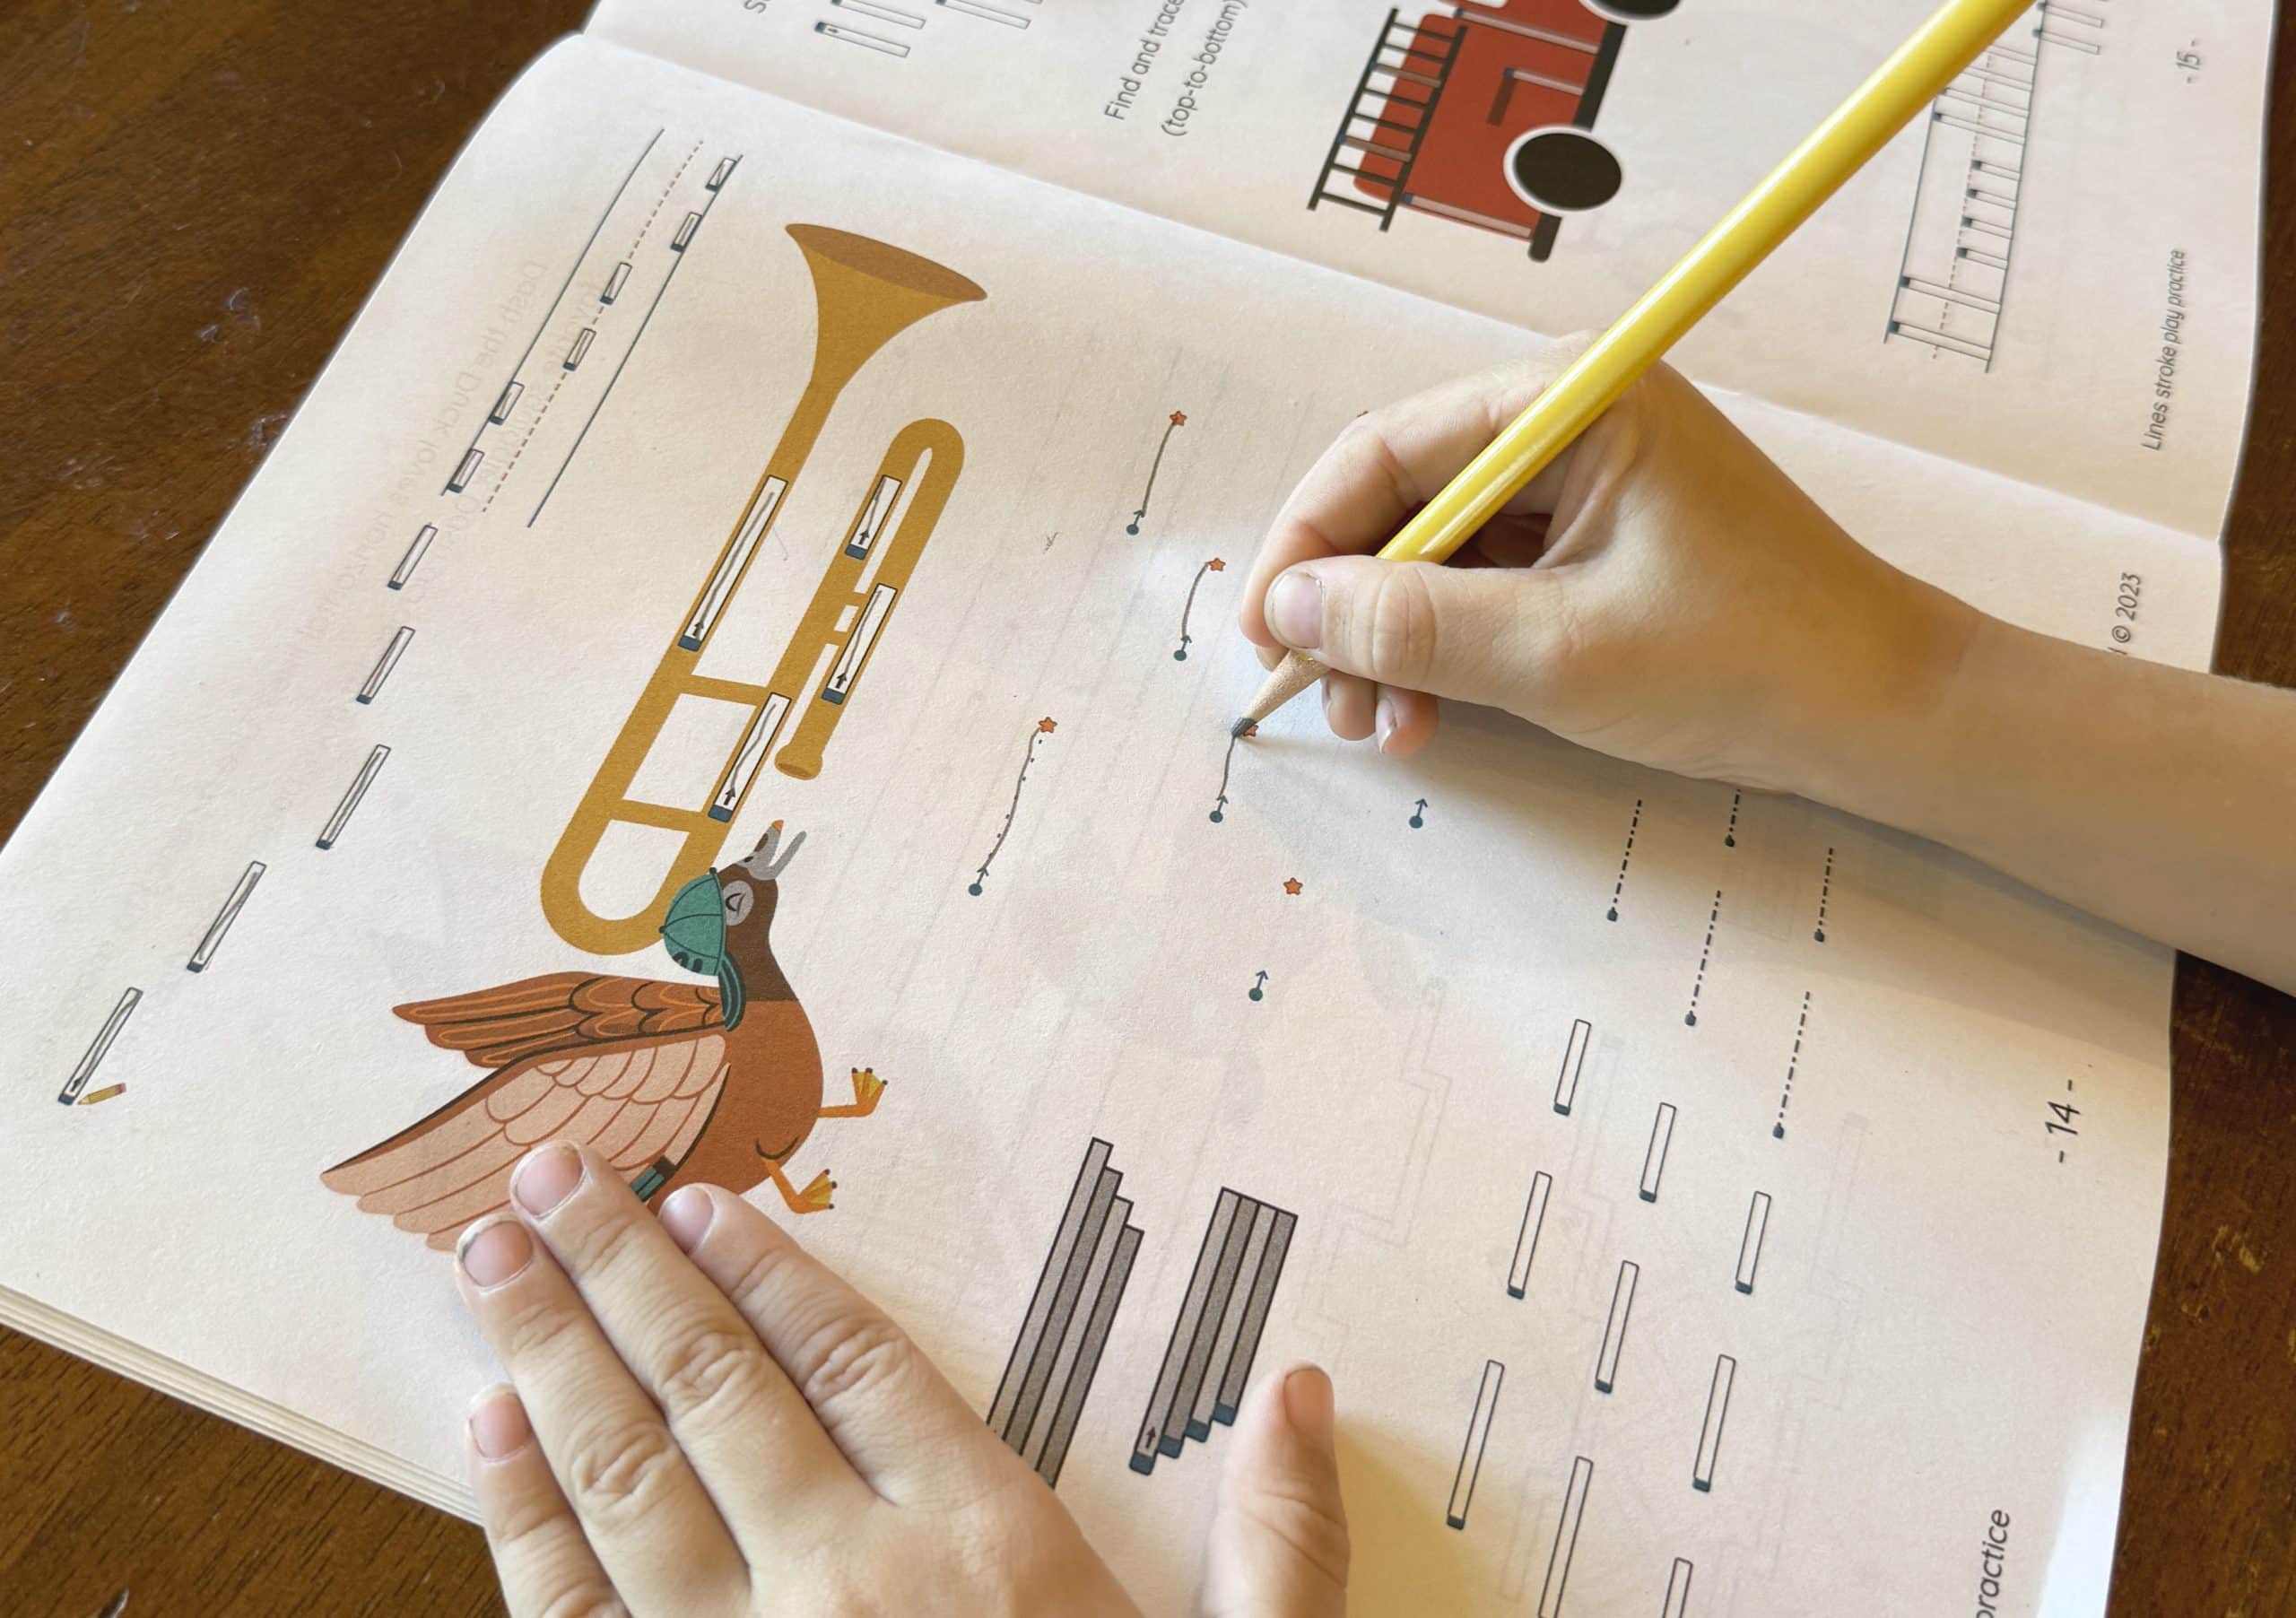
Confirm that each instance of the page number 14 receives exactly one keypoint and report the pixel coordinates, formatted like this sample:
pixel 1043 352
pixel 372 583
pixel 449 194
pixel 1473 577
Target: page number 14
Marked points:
pixel 2060 1121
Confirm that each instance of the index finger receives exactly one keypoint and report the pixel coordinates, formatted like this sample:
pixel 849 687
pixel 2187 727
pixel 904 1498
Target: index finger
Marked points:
pixel 1390 462
pixel 908 1433
pixel 742 1425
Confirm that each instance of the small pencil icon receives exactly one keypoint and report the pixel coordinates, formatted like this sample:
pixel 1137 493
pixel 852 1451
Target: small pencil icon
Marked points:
pixel 105 1095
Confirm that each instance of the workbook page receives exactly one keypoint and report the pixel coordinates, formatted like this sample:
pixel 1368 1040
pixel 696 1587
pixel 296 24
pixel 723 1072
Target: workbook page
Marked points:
pixel 1706 1203
pixel 2051 275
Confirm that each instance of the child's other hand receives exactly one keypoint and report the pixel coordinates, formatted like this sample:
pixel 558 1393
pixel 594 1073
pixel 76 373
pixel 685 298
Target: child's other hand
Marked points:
pixel 704 1420
pixel 1662 592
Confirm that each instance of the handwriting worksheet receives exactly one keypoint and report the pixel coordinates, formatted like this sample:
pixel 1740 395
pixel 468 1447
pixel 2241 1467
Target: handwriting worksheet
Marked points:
pixel 733 660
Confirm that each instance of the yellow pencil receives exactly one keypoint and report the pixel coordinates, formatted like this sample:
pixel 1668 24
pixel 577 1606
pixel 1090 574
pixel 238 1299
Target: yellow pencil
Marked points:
pixel 1836 148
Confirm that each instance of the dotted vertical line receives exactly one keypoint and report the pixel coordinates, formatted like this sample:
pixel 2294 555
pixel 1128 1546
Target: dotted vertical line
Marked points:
pixel 1778 1129
pixel 1619 887
pixel 1730 836
pixel 1690 1017
pixel 1824 889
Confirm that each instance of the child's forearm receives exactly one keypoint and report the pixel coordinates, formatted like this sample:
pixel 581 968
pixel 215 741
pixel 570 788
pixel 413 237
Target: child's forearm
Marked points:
pixel 2156 797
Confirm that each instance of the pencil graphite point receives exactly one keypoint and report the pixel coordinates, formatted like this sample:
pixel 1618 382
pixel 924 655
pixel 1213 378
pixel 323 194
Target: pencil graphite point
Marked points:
pixel 1285 681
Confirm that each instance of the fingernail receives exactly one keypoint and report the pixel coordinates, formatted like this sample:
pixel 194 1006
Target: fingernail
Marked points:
pixel 1307 1403
pixel 493 1254
pixel 1384 722
pixel 1295 609
pixel 686 1216
pixel 498 1428
pixel 547 1178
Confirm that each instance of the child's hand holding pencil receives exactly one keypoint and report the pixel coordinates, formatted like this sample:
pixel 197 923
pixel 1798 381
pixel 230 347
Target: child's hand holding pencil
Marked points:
pixel 1663 593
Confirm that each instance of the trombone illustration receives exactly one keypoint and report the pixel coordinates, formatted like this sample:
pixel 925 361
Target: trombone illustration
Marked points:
pixel 866 293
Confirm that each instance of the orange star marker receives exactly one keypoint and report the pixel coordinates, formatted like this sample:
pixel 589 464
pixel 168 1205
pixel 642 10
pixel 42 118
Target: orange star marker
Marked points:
pixel 1047 726
pixel 1179 418
pixel 1216 565
pixel 1291 886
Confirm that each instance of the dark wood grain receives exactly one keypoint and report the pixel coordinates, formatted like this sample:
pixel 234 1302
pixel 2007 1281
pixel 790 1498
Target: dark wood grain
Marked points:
pixel 196 197
pixel 2208 1512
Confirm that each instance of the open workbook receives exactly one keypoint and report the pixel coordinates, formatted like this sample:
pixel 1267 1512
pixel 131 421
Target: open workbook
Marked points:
pixel 857 416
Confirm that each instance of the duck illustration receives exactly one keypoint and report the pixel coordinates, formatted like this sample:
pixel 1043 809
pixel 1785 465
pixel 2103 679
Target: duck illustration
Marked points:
pixel 669 1082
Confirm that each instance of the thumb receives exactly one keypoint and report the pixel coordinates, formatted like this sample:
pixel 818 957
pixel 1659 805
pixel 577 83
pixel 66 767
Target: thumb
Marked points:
pixel 1476 634
pixel 1279 1535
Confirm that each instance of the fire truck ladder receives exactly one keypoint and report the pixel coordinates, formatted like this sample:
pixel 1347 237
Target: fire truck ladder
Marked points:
pixel 1953 279
pixel 1410 77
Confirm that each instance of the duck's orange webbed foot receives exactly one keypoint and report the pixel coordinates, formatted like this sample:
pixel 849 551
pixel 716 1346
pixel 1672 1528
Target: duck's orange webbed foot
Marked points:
pixel 866 1088
pixel 813 1199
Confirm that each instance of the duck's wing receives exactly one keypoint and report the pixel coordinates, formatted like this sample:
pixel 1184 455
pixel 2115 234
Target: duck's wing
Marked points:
pixel 636 1102
pixel 564 1011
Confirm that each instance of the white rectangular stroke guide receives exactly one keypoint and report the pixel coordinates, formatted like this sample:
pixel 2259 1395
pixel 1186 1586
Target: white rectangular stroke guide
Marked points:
pixel 840 430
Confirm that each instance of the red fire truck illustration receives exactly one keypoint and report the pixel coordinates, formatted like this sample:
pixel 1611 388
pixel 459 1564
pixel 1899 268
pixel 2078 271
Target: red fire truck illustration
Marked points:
pixel 1481 114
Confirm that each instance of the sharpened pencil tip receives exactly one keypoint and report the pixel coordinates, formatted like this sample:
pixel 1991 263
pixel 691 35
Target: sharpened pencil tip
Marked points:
pixel 1237 731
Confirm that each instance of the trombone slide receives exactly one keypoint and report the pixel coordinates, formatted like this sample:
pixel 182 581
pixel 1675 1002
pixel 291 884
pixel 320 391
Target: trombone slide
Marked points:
pixel 840 628
pixel 866 293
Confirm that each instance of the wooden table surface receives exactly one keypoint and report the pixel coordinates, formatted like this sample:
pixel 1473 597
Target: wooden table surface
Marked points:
pixel 196 197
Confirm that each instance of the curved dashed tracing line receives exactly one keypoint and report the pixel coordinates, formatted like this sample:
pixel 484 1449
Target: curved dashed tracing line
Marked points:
pixel 1730 835
pixel 1690 1017
pixel 1619 886
pixel 1180 653
pixel 637 240
pixel 1037 732
pixel 1177 419
pixel 1219 801
pixel 1825 888
pixel 1778 1129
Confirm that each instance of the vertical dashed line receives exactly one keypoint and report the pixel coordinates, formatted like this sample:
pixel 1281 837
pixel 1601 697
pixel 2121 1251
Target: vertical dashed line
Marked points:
pixel 1825 888
pixel 1619 887
pixel 1690 1017
pixel 1778 1129
pixel 1730 835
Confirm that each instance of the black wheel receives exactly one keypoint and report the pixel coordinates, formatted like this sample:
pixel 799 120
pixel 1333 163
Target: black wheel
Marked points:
pixel 1633 11
pixel 1563 170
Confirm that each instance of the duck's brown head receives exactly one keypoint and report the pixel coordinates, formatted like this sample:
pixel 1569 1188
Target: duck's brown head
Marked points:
pixel 750 887
pixel 720 924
